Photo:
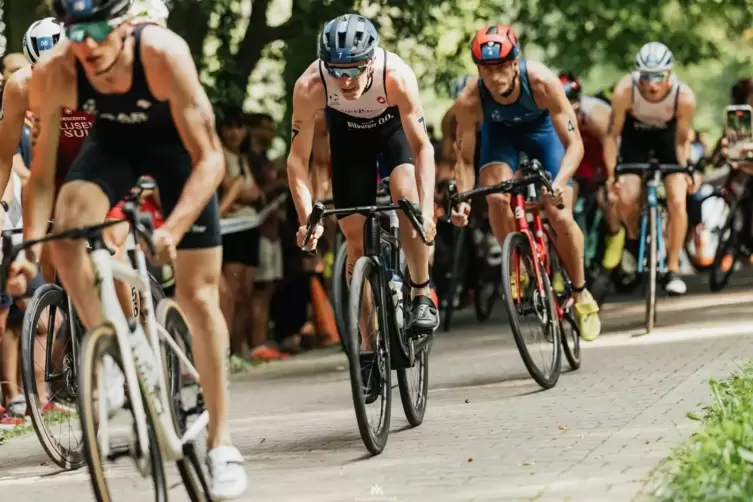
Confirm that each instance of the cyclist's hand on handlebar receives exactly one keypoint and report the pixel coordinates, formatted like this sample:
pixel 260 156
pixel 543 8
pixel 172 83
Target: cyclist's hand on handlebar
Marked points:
pixel 20 275
pixel 460 214
pixel 164 244
pixel 313 240
pixel 557 198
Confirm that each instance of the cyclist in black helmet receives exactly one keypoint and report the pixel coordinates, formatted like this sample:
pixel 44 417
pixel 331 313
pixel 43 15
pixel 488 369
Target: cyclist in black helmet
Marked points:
pixel 153 117
pixel 371 100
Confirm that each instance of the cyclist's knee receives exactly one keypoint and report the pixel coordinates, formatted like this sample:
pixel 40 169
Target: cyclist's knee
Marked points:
pixel 499 202
pixel 676 202
pixel 80 204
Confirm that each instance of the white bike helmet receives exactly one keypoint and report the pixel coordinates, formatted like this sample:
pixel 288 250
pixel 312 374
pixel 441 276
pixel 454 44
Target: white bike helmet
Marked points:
pixel 41 37
pixel 654 57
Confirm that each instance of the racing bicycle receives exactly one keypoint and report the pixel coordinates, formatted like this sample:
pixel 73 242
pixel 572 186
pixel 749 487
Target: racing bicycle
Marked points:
pixel 378 277
pixel 651 248
pixel 153 360
pixel 534 282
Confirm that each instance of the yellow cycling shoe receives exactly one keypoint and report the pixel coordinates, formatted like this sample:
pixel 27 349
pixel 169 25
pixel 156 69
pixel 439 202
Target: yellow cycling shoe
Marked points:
pixel 587 316
pixel 525 281
pixel 613 245
pixel 558 283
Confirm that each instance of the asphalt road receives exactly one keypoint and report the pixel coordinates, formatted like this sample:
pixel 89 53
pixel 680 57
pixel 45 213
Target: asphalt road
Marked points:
pixel 490 433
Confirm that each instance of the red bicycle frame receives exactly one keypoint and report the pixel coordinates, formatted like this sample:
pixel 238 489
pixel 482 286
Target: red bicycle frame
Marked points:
pixel 536 233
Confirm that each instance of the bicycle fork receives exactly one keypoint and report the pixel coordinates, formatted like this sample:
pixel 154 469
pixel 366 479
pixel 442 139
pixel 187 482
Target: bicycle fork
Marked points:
pixel 658 236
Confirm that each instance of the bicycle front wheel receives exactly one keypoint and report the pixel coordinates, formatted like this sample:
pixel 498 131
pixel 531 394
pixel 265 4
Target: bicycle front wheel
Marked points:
pixel 649 274
pixel 521 271
pixel 46 314
pixel 368 356
pixel 340 292
pixel 97 343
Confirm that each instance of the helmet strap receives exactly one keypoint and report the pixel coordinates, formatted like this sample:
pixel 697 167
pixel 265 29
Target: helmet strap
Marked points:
pixel 120 53
pixel 509 92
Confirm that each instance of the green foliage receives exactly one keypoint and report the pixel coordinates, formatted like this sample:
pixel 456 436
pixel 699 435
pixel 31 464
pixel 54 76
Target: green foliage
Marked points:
pixel 716 464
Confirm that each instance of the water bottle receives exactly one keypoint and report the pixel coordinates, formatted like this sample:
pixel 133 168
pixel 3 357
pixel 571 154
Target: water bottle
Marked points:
pixel 396 288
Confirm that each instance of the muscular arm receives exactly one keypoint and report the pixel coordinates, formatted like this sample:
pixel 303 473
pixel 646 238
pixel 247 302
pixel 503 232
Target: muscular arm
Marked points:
pixel 38 198
pixel 403 91
pixel 621 101
pixel 467 114
pixel 685 112
pixel 449 125
pixel 306 103
pixel 15 101
pixel 320 159
pixel 194 118
pixel 549 90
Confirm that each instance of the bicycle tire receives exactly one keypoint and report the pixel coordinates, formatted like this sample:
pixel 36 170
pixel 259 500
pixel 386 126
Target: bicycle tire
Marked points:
pixel 570 334
pixel 514 241
pixel 414 407
pixel 96 343
pixel 459 262
pixel 48 295
pixel 340 292
pixel 375 441
pixel 649 274
pixel 484 308
pixel 718 278
pixel 191 469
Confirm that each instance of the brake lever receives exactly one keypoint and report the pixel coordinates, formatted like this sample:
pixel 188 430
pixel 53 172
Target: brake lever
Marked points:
pixel 415 217
pixel 452 197
pixel 314 217
pixel 546 178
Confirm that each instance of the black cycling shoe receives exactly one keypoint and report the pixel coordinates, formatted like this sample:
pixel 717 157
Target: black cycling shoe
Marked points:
pixel 370 377
pixel 424 316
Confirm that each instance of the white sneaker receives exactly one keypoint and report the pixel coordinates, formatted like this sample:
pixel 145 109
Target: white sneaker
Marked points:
pixel 17 406
pixel 114 386
pixel 228 476
pixel 675 285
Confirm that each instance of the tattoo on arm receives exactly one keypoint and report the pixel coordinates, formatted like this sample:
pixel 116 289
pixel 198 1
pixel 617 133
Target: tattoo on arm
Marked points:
pixel 570 126
pixel 296 129
pixel 35 130
pixel 422 122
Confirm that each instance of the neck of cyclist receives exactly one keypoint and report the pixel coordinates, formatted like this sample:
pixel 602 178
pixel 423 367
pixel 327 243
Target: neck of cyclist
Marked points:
pixel 121 66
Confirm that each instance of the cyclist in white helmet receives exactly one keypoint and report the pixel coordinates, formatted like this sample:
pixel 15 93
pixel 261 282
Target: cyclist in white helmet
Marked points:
pixel 652 111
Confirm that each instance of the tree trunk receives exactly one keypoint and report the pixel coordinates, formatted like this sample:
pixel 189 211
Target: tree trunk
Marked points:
pixel 190 20
pixel 18 15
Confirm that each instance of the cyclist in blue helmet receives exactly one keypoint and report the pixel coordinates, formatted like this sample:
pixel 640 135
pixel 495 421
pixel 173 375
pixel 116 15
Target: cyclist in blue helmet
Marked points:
pixel 372 105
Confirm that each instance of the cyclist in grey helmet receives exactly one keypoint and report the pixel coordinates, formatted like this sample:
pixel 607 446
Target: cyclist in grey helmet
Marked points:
pixel 652 111
pixel 371 100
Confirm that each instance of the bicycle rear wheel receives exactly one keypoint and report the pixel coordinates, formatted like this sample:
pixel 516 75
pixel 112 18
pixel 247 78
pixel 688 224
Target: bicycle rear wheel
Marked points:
pixel 649 273
pixel 413 382
pixel 370 370
pixel 47 412
pixel 98 343
pixel 522 295
pixel 192 469
pixel 563 287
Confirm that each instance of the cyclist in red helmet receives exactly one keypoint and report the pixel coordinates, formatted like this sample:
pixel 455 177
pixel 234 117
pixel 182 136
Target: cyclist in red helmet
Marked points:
pixel 593 123
pixel 523 109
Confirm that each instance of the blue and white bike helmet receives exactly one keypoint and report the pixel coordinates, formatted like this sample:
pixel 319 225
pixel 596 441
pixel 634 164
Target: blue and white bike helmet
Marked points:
pixel 41 37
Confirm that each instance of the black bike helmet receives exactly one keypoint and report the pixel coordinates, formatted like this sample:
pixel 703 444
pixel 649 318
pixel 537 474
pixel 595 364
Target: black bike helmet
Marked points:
pixel 740 91
pixel 78 11
pixel 350 38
